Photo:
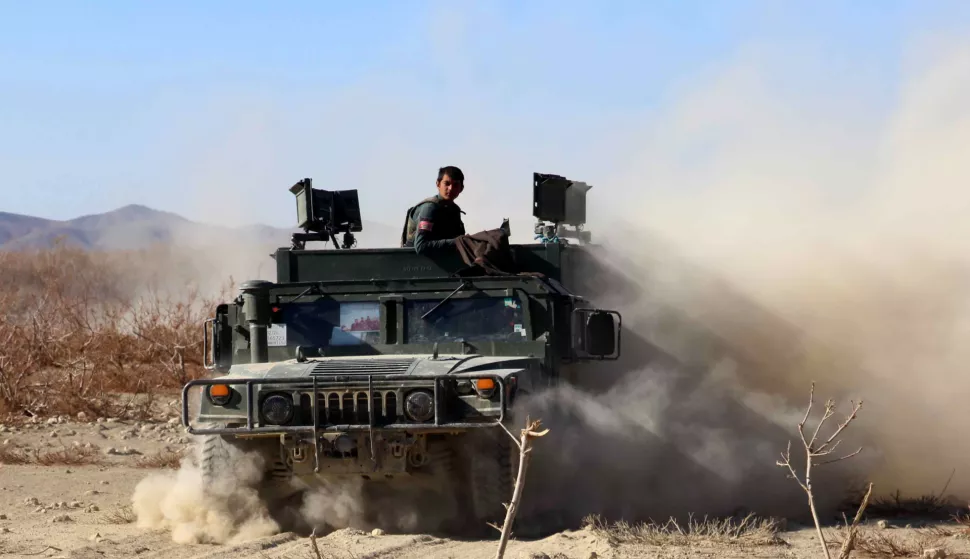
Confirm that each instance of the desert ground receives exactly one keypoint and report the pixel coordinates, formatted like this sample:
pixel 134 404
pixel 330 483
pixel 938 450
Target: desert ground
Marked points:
pixel 68 485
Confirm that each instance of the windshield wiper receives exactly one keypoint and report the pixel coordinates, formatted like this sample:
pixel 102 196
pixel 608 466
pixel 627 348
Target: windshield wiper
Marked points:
pixel 463 285
pixel 315 288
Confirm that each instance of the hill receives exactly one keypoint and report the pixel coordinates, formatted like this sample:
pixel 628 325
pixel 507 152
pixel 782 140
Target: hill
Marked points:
pixel 136 227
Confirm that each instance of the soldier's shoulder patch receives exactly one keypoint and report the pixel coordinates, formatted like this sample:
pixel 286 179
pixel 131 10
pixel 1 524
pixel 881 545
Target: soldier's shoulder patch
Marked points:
pixel 425 225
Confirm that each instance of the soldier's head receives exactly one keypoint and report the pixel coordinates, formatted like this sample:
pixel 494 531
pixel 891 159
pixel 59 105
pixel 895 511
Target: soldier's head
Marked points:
pixel 451 181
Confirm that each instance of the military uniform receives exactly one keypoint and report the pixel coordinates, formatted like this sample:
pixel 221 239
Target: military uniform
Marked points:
pixel 432 224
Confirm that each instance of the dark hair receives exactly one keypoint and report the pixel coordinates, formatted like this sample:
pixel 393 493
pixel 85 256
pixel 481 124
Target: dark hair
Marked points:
pixel 453 172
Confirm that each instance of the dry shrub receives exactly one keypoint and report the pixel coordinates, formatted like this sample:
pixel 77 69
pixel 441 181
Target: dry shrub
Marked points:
pixel 962 519
pixel 895 505
pixel 926 506
pixel 14 456
pixel 749 530
pixel 78 326
pixel 877 542
pixel 62 457
pixel 68 457
pixel 123 515
pixel 161 460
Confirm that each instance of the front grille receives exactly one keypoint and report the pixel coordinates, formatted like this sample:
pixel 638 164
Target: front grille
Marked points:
pixel 362 367
pixel 353 408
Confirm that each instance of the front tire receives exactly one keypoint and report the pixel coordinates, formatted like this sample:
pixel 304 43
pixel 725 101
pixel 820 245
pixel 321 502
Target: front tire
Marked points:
pixel 491 462
pixel 226 463
pixel 214 456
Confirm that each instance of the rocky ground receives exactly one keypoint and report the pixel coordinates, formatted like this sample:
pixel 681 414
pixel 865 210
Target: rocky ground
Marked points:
pixel 66 487
pixel 111 438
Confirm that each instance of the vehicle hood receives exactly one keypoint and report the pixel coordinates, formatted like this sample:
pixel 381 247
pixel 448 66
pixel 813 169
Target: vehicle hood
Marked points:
pixel 404 365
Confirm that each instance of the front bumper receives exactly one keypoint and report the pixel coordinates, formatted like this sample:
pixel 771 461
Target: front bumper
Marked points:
pixel 362 384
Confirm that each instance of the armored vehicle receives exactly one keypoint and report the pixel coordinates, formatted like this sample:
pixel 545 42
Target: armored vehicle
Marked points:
pixel 383 364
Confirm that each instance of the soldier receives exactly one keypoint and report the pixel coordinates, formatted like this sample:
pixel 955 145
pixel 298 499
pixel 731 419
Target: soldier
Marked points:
pixel 435 222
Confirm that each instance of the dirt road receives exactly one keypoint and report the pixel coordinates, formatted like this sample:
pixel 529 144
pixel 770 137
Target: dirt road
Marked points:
pixel 85 510
pixel 87 514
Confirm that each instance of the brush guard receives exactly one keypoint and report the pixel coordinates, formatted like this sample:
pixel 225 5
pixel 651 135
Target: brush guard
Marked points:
pixel 322 383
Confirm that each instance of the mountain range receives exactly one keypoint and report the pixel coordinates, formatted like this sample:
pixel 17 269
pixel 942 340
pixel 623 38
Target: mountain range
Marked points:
pixel 136 227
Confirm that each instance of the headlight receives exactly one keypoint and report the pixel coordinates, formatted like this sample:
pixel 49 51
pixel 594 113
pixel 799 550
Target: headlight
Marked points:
pixel 419 406
pixel 464 386
pixel 277 409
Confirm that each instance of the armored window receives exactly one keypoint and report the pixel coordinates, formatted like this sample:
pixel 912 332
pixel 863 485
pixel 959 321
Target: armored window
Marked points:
pixel 473 319
pixel 325 322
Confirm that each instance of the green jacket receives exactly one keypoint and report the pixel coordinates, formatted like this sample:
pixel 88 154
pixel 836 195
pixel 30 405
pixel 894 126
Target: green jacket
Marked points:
pixel 432 224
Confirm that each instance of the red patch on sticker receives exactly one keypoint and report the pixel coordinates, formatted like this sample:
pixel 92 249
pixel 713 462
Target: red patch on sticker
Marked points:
pixel 425 225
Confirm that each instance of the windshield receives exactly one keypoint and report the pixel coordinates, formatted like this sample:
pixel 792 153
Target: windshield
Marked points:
pixel 323 323
pixel 472 319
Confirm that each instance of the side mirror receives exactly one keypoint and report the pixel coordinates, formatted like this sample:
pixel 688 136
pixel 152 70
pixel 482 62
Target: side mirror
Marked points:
pixel 596 334
pixel 219 349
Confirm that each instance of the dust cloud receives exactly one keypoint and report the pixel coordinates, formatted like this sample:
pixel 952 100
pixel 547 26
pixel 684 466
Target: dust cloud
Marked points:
pixel 335 504
pixel 406 506
pixel 229 510
pixel 813 242
pixel 238 505
pixel 760 241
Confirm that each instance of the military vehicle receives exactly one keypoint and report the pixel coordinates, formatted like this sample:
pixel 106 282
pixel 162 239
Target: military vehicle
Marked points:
pixel 382 364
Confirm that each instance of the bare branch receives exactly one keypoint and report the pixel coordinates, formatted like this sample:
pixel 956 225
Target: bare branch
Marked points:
pixel 812 454
pixel 829 405
pixel 846 457
pixel 313 544
pixel 808 411
pixel 828 451
pixel 786 462
pixel 844 424
pixel 529 434
pixel 509 433
pixel 852 530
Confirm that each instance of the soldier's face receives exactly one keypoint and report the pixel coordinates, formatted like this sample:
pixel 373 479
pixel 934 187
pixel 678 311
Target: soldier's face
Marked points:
pixel 449 189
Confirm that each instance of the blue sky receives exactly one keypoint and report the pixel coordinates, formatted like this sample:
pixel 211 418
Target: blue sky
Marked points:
pixel 213 109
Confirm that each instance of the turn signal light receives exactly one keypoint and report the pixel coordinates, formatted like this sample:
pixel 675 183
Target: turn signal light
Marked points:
pixel 219 390
pixel 219 394
pixel 485 387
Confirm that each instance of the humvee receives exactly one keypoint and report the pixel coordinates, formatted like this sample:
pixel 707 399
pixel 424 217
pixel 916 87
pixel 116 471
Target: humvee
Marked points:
pixel 383 364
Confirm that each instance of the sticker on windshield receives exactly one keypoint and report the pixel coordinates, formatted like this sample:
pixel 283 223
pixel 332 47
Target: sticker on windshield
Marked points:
pixel 276 335
pixel 519 328
pixel 512 303
pixel 360 322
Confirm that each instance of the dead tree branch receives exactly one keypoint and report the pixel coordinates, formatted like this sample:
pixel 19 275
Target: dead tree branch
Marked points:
pixel 529 434
pixel 814 449
pixel 851 530
pixel 313 544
